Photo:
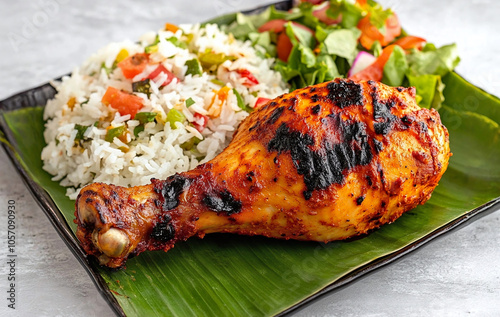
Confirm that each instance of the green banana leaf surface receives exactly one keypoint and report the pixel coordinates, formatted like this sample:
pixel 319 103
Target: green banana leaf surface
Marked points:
pixel 228 275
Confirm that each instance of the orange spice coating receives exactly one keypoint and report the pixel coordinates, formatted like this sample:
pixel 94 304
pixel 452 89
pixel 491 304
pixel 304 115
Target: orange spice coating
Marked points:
pixel 323 163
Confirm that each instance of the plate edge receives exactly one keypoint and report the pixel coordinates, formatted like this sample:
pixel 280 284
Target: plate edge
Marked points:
pixel 48 206
pixel 46 203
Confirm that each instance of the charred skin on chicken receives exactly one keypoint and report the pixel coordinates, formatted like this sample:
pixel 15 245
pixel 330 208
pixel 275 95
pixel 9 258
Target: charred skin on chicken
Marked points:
pixel 326 162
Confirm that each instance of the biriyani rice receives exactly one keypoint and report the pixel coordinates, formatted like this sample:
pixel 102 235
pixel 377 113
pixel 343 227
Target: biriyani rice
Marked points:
pixel 89 140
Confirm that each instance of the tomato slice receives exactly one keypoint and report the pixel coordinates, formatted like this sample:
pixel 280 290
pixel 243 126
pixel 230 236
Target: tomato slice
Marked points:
pixel 376 70
pixel 370 33
pixel 410 41
pixel 393 29
pixel 260 102
pixel 161 69
pixel 250 79
pixel 200 121
pixel 276 26
pixel 124 102
pixel 323 17
pixel 134 65
pixel 283 46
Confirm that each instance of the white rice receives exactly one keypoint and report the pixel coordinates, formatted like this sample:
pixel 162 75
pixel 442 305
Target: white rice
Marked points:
pixel 155 152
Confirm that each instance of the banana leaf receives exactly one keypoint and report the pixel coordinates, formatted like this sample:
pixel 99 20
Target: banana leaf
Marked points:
pixel 228 275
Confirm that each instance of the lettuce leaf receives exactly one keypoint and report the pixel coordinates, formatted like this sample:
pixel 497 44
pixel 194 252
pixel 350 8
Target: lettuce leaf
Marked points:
pixel 431 60
pixel 378 15
pixel 429 90
pixel 426 69
pixel 351 14
pixel 343 43
pixel 296 33
pixel 293 14
pixel 321 33
pixel 331 68
pixel 263 40
pixel 330 51
pixel 308 19
pixel 259 19
pixel 241 27
pixel 395 68
pixel 287 72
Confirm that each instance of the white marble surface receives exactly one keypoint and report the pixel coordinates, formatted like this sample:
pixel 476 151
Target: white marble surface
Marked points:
pixel 455 275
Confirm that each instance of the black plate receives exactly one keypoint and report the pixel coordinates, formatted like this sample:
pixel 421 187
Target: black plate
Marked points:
pixel 40 95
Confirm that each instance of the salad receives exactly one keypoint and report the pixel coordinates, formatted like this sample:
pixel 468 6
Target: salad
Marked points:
pixel 319 40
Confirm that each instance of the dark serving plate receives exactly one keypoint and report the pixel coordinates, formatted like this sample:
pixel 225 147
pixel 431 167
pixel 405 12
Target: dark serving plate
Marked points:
pixel 465 193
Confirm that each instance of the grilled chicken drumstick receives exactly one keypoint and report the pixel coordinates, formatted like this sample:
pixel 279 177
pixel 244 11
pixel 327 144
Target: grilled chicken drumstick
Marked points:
pixel 322 163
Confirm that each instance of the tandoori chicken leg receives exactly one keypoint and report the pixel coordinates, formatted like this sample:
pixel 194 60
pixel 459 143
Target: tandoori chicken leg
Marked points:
pixel 322 163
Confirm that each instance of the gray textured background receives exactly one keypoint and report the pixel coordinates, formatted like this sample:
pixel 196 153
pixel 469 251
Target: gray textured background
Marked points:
pixel 455 275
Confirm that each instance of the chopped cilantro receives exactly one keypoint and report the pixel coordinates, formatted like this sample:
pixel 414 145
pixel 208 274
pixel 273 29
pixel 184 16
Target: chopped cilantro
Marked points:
pixel 143 86
pixel 114 133
pixel 241 102
pixel 193 67
pixel 189 102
